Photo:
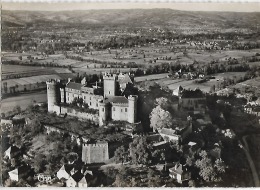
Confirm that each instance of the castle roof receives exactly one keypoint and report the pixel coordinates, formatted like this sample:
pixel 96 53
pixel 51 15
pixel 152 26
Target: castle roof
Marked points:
pixel 117 99
pixel 73 85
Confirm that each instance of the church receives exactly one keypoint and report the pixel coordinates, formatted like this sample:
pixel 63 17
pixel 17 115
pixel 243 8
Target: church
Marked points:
pixel 116 100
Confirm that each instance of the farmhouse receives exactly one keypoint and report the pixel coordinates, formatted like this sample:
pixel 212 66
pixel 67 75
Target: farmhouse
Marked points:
pixel 179 172
pixel 177 134
pixel 117 102
pixel 194 101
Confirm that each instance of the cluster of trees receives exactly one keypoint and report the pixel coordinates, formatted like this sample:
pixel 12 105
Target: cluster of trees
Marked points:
pixel 80 105
pixel 90 78
pixel 210 170
pixel 33 63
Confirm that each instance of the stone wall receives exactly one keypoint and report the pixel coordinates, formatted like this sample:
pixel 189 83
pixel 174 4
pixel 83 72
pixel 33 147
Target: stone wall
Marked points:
pixel 72 112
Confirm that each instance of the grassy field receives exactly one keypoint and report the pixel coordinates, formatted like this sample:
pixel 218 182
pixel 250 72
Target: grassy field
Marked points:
pixel 40 146
pixel 23 101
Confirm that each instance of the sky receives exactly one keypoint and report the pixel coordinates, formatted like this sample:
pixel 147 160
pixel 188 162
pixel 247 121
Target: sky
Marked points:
pixel 227 7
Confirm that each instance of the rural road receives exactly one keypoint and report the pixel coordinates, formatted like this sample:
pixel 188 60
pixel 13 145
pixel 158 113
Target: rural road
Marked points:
pixel 251 163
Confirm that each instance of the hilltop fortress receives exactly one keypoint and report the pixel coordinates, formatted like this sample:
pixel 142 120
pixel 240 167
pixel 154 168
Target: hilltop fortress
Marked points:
pixel 114 101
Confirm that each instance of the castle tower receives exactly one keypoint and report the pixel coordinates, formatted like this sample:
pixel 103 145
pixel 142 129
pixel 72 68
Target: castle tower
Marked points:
pixel 51 94
pixel 110 85
pixel 95 153
pixel 132 108
pixel 103 112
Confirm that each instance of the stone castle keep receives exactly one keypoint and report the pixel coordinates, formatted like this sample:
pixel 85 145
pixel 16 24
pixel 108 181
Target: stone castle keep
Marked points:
pixel 115 101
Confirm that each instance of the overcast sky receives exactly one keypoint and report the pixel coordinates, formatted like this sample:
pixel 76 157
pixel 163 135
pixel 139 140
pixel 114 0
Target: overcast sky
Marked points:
pixel 234 7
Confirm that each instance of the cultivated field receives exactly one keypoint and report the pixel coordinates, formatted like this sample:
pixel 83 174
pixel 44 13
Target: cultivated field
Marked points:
pixel 23 101
pixel 173 84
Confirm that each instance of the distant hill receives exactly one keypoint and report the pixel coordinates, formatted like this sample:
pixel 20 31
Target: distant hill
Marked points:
pixel 134 18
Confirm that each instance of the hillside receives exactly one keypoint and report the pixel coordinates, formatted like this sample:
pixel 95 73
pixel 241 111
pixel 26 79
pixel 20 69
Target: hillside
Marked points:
pixel 134 18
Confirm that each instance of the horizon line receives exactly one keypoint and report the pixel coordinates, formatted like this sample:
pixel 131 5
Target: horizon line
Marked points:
pixel 87 6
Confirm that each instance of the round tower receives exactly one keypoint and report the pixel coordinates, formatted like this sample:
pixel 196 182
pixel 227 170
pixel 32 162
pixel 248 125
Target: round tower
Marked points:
pixel 132 108
pixel 103 112
pixel 51 94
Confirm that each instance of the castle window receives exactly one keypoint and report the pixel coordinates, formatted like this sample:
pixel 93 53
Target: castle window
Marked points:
pixel 96 105
pixel 125 109
pixel 114 109
pixel 121 110
pixel 108 92
pixel 103 109
pixel 90 103
pixel 90 97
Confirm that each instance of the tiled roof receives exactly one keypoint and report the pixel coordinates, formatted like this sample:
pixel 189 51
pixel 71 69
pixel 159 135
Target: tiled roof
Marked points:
pixel 125 80
pixel 170 132
pixel 117 99
pixel 67 167
pixel 177 169
pixel 77 176
pixel 73 85
pixel 13 149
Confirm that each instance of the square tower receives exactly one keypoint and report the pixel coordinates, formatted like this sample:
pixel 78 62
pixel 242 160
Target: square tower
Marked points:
pixel 110 85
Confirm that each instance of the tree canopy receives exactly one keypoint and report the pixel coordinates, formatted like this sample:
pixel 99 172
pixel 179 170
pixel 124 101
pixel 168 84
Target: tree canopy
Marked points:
pixel 159 118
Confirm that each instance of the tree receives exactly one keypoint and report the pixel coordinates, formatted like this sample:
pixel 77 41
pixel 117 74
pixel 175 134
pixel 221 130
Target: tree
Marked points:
pixel 39 163
pixel 153 179
pixel 134 182
pixel 220 165
pixel 207 169
pixel 161 101
pixel 121 177
pixel 17 109
pixel 121 154
pixel 189 160
pixel 140 151
pixel 159 118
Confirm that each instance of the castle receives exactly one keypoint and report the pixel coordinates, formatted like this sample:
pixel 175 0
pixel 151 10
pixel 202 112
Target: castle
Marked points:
pixel 115 101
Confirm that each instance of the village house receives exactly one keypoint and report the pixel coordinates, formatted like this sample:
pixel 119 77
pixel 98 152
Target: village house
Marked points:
pixel 80 179
pixel 180 173
pixel 20 172
pixel 74 179
pixel 12 152
pixel 193 101
pixel 177 134
pixel 65 171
